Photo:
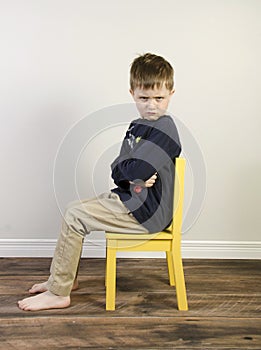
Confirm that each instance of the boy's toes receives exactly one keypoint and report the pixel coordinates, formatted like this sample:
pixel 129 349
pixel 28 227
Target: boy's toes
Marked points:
pixel 21 304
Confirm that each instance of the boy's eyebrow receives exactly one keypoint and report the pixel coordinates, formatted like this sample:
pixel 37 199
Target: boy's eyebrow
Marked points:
pixel 154 96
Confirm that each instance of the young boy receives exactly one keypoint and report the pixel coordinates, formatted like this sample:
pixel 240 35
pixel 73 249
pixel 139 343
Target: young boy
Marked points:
pixel 143 173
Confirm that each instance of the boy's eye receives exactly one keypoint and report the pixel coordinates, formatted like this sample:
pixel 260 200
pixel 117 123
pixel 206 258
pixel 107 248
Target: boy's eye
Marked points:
pixel 145 98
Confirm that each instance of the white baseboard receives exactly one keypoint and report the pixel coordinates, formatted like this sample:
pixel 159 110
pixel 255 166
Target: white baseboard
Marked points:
pixel 96 249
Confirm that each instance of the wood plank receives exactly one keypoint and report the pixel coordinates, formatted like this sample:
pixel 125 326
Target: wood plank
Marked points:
pixel 130 333
pixel 90 301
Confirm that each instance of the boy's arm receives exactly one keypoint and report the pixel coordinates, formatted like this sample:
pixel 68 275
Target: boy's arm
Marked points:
pixel 116 175
pixel 146 159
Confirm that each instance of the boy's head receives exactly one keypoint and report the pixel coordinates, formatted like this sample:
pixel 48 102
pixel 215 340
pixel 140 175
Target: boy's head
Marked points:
pixel 149 71
pixel 151 85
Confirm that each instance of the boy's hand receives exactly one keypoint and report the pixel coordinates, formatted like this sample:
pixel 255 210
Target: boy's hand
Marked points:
pixel 151 181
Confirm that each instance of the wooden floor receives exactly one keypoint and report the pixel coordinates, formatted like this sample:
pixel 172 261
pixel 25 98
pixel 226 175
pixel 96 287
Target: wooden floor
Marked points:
pixel 224 300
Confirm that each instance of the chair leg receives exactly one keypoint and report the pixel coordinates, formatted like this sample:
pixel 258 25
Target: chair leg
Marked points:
pixel 110 279
pixel 106 272
pixel 180 281
pixel 170 268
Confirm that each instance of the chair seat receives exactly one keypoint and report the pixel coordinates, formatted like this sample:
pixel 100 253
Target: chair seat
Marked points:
pixel 158 235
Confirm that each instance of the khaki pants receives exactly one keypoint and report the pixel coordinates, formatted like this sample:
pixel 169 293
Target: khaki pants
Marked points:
pixel 103 213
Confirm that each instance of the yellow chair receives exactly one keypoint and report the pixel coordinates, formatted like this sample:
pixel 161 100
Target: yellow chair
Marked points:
pixel 168 241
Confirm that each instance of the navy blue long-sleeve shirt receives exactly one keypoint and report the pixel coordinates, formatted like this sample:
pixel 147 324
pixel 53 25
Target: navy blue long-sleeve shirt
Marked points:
pixel 149 147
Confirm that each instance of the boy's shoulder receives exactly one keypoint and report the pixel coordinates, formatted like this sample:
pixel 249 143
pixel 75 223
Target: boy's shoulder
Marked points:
pixel 163 124
pixel 164 120
pixel 161 130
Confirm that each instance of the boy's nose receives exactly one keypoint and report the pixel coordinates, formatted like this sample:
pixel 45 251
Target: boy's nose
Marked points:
pixel 151 102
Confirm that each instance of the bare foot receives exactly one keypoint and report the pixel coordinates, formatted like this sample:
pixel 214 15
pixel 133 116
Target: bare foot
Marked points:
pixel 42 287
pixel 38 288
pixel 44 301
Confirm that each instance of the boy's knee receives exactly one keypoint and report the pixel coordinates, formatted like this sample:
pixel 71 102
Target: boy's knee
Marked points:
pixel 73 220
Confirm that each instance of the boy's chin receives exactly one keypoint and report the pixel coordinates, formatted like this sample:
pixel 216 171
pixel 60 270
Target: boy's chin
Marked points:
pixel 152 117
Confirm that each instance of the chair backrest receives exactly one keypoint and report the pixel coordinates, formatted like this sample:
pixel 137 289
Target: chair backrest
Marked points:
pixel 178 198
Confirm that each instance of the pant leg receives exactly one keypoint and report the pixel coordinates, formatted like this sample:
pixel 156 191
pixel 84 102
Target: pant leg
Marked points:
pixel 103 213
pixel 65 262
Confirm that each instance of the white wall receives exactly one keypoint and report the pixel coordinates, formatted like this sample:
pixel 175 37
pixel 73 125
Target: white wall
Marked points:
pixel 64 60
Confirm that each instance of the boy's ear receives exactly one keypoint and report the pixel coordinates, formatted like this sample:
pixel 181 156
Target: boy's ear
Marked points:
pixel 131 92
pixel 172 92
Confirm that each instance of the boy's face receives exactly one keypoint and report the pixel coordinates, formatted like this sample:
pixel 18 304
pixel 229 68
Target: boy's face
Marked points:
pixel 152 103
